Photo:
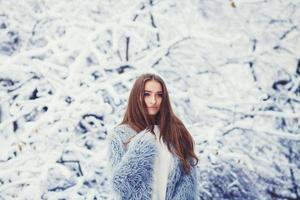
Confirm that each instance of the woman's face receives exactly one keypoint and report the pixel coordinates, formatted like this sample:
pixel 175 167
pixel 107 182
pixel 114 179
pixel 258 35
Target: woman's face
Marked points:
pixel 153 96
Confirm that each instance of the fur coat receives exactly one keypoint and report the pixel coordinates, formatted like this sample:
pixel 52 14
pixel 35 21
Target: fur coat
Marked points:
pixel 131 168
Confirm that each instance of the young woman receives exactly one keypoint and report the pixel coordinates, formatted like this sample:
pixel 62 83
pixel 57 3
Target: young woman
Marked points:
pixel 151 153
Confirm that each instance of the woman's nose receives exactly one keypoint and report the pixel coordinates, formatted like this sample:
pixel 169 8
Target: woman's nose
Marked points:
pixel 153 99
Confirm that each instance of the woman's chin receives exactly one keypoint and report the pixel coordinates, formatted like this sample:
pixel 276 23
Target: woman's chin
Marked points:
pixel 152 113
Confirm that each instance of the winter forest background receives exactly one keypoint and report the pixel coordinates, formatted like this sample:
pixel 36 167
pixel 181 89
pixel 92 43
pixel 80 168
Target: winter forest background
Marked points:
pixel 232 69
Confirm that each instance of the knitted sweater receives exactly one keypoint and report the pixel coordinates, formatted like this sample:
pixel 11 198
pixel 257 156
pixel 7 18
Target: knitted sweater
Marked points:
pixel 132 166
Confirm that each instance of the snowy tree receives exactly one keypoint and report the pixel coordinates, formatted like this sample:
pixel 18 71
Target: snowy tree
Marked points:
pixel 232 69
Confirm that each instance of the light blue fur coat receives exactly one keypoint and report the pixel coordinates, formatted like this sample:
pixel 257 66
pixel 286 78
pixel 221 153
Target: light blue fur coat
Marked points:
pixel 131 168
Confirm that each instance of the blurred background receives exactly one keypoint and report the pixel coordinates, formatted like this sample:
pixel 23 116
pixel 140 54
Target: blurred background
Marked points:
pixel 232 69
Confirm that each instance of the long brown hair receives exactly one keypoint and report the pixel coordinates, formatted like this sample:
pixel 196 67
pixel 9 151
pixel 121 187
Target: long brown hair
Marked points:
pixel 172 130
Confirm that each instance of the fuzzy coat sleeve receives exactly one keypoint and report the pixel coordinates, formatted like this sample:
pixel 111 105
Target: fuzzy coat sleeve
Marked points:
pixel 132 167
pixel 187 188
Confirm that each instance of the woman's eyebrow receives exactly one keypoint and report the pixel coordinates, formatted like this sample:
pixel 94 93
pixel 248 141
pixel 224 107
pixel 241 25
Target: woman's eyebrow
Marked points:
pixel 152 91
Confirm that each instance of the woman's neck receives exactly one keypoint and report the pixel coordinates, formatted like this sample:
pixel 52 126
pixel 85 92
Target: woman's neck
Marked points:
pixel 153 119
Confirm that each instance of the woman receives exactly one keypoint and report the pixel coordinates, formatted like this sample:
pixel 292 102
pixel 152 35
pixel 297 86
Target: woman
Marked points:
pixel 151 153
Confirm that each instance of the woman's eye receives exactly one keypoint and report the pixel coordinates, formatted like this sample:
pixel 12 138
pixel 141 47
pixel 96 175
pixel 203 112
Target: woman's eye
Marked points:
pixel 160 95
pixel 146 94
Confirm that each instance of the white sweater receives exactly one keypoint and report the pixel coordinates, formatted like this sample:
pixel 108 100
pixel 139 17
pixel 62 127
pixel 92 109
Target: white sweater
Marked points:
pixel 162 166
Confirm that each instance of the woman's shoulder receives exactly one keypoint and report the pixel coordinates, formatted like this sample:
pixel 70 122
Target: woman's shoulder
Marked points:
pixel 122 132
pixel 123 128
pixel 125 132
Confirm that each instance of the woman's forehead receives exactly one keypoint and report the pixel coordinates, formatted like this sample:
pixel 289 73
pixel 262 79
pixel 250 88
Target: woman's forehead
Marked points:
pixel 153 86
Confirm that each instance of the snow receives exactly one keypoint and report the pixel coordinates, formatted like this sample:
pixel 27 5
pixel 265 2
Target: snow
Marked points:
pixel 232 69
